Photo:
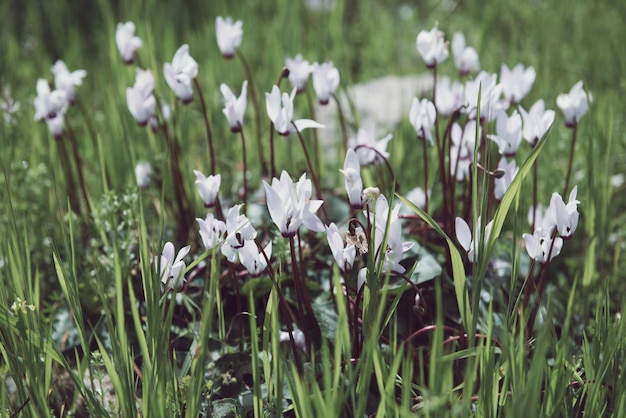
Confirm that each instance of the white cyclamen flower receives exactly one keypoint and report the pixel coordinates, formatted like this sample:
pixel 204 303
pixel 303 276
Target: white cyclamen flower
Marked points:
pixel 50 106
pixel 462 149
pixel 516 82
pixel 352 179
pixel 127 42
pixel 343 254
pixel 325 81
pixel 501 184
pixel 229 35
pixel 171 268
pixel 140 97
pixel 387 223
pixel 536 122
pixel 239 229
pixel 180 73
pixel 299 70
pixel 280 111
pixel 565 216
pixel 465 57
pixel 573 104
pixel 422 116
pixel 290 204
pixel 212 231
pixel 208 187
pixel 485 85
pixel 367 147
pixel 254 260
pixel 450 96
pixel 471 243
pixel 541 246
pixel 508 133
pixel 143 174
pixel 432 47
pixel 66 80
pixel 235 107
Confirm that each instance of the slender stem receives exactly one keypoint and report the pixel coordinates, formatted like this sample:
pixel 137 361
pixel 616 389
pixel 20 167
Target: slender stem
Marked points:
pixel 342 123
pixel 534 214
pixel 272 157
pixel 541 283
pixel 96 144
pixel 245 172
pixel 316 141
pixel 255 104
pixel 383 158
pixel 571 160
pixel 300 293
pixel 313 175
pixel 79 166
pixel 425 158
pixel 233 275
pixel 207 126
pixel 179 185
pixel 69 179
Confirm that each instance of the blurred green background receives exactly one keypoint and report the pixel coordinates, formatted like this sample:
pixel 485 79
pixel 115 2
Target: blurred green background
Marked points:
pixel 564 41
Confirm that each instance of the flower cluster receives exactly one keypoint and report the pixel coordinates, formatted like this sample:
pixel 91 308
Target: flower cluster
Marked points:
pixel 51 105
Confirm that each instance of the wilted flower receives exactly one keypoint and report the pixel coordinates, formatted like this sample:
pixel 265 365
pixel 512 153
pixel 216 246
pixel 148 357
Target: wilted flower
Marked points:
pixel 171 269
pixel 299 70
pixel 290 204
pixel 235 107
pixel 64 80
pixel 465 57
pixel 50 106
pixel 325 81
pixel 253 259
pixel 536 122
pixel 352 179
pixel 370 194
pixel 280 111
pixel 143 174
pixel 343 254
pixel 140 99
pixel 212 231
pixel 573 104
pixel 422 116
pixel 180 74
pixel 368 149
pixel 516 82
pixel 508 133
pixel 469 243
pixel 208 187
pixel 127 42
pixel 229 35
pixel 501 184
pixel 449 96
pixel 432 47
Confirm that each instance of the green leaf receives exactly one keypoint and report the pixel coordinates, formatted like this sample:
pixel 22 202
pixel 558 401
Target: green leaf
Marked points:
pixel 226 408
pixel 458 270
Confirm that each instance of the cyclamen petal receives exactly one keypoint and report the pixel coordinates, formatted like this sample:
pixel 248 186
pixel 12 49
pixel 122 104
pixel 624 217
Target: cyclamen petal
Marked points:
pixel 229 35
